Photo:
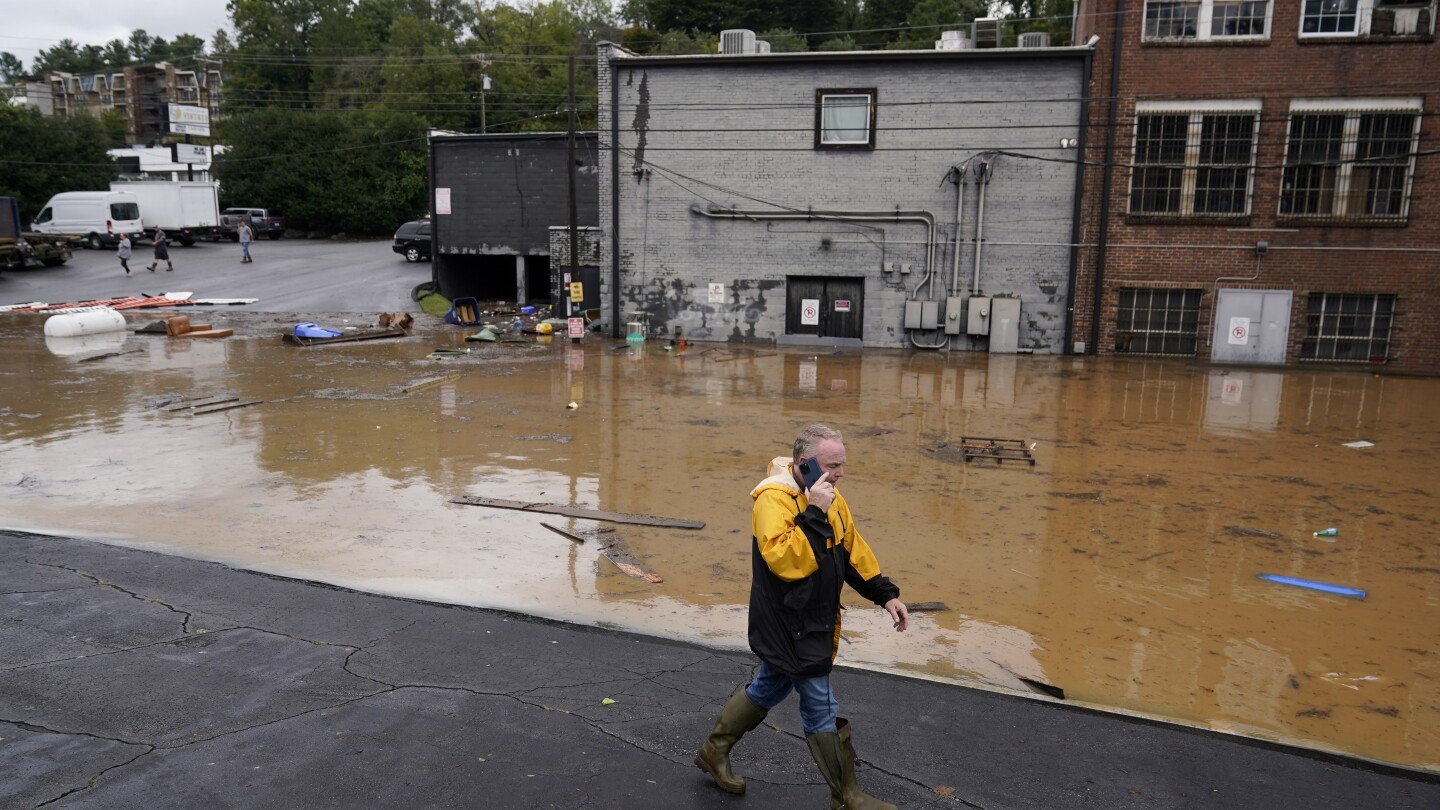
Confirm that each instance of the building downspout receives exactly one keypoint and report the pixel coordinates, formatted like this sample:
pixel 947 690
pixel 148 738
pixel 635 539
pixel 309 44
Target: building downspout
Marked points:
pixel 1105 181
pixel 615 325
pixel 1078 211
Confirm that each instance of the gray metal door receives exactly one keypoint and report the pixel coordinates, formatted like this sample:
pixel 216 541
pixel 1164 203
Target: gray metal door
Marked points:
pixel 1251 326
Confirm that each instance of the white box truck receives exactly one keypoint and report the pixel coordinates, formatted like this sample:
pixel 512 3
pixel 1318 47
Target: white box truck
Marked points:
pixel 187 210
pixel 98 216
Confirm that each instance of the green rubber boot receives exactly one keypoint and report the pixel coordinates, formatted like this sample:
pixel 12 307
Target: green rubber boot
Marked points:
pixel 739 716
pixel 831 751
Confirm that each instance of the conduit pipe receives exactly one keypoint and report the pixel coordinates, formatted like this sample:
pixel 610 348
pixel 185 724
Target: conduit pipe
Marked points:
pixel 982 180
pixel 923 217
pixel 957 174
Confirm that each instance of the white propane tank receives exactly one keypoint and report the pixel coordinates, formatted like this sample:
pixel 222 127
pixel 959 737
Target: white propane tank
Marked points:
pixel 89 322
pixel 85 344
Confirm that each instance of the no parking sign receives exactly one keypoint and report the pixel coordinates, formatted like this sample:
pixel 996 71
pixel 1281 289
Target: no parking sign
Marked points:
pixel 810 311
pixel 1239 331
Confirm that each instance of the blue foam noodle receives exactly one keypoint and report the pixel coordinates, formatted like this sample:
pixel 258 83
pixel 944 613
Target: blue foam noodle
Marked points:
pixel 1314 585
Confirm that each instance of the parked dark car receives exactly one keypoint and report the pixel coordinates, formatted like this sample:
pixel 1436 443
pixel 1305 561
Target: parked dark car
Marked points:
pixel 413 241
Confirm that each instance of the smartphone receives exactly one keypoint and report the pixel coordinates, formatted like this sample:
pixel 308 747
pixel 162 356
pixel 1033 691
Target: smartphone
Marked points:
pixel 810 472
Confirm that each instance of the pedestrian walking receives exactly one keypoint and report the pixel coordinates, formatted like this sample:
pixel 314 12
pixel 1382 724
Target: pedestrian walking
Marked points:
pixel 804 548
pixel 246 237
pixel 162 251
pixel 123 251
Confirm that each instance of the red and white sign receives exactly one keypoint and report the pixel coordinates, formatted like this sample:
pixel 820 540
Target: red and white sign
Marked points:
pixel 842 305
pixel 576 327
pixel 1239 331
pixel 810 311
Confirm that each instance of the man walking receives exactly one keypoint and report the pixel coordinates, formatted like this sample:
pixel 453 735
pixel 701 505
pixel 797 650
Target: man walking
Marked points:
pixel 805 547
pixel 161 244
pixel 246 236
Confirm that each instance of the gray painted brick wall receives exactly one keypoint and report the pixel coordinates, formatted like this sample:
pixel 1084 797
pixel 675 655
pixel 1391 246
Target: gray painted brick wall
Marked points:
pixel 735 134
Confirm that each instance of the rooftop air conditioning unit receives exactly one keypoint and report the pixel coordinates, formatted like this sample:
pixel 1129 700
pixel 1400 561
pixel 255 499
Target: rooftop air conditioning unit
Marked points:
pixel 1035 39
pixel 985 32
pixel 761 46
pixel 737 40
pixel 952 41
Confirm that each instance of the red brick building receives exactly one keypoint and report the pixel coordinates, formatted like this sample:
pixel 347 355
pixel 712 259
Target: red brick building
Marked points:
pixel 1274 184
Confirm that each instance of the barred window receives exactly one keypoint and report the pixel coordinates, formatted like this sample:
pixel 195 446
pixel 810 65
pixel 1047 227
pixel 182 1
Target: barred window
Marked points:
pixel 1206 19
pixel 1347 328
pixel 1154 321
pixel 1350 165
pixel 1193 163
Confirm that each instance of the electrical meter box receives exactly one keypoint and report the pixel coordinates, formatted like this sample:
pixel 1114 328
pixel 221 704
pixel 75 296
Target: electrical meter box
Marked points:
pixel 929 314
pixel 912 314
pixel 1004 325
pixel 953 309
pixel 978 322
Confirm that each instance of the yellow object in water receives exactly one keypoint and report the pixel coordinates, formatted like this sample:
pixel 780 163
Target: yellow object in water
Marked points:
pixel 544 328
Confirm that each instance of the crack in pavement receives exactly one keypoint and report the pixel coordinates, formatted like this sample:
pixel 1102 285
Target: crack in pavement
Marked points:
pixel 184 624
pixel 89 783
pixel 175 640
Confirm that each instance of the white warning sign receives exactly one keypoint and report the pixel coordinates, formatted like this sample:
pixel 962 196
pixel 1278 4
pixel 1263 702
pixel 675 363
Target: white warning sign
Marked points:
pixel 717 293
pixel 1239 331
pixel 810 311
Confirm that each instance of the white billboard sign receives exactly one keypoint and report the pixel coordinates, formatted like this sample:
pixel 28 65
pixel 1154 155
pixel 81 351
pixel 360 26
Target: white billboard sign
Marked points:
pixel 189 153
pixel 189 120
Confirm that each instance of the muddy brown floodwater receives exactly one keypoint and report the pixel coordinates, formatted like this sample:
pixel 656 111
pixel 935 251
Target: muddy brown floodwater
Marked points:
pixel 1121 567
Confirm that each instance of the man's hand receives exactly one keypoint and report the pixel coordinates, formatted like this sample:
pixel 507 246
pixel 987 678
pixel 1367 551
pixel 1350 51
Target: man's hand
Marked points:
pixel 899 614
pixel 822 494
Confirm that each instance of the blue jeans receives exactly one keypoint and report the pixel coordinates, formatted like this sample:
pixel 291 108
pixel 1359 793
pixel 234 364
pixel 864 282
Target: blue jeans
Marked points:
pixel 244 250
pixel 817 700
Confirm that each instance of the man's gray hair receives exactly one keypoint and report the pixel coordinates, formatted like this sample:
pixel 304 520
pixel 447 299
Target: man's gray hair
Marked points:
pixel 810 438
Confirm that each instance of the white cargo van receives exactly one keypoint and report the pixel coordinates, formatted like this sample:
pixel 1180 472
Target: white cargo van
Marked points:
pixel 99 216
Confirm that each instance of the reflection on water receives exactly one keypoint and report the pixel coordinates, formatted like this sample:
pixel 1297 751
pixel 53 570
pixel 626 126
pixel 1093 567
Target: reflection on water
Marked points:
pixel 1122 567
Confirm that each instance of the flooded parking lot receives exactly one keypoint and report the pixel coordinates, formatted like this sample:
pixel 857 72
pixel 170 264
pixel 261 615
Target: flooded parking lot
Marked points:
pixel 1122 567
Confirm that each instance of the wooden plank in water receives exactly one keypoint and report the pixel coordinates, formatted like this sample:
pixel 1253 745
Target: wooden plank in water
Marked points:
pixel 580 512
pixel 225 407
pixel 185 405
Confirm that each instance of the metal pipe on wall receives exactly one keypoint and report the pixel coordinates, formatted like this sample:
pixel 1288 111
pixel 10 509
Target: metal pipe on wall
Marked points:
pixel 923 217
pixel 958 173
pixel 982 181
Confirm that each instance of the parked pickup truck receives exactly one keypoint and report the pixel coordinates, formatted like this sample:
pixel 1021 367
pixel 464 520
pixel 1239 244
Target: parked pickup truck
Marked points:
pixel 261 221
pixel 18 247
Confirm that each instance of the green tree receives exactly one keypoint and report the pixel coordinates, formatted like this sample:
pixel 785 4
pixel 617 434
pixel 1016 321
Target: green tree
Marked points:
pixel 187 50
pixel 929 17
pixel 11 68
pixel 273 41
pixel 62 56
pixel 117 54
pixel 41 155
pixel 356 171
pixel 422 73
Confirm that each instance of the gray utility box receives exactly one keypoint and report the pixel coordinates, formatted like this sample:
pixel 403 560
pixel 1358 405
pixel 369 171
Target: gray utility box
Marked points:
pixel 1004 325
pixel 922 314
pixel 978 322
pixel 953 307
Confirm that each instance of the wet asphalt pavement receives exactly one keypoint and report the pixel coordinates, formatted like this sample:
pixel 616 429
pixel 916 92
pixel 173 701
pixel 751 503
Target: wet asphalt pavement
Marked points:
pixel 138 679
pixel 288 275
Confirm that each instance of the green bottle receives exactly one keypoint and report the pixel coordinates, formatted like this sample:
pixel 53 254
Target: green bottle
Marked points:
pixel 1327 532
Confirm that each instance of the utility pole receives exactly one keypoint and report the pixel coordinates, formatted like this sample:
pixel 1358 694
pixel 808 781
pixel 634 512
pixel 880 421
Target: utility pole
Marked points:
pixel 574 275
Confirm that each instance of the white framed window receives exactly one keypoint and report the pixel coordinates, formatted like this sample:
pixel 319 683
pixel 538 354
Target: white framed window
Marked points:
pixel 1194 159
pixel 1376 18
pixel 1203 20
pixel 1350 159
pixel 845 119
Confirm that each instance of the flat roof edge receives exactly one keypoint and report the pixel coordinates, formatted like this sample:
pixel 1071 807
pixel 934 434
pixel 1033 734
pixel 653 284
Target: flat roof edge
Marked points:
pixel 975 54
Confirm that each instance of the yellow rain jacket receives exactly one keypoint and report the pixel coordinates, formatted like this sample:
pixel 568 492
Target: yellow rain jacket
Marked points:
pixel 800 558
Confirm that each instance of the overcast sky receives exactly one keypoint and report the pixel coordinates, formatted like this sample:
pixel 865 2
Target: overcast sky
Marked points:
pixel 36 24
